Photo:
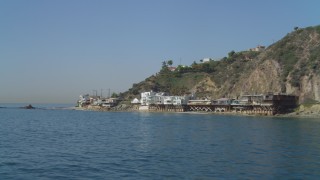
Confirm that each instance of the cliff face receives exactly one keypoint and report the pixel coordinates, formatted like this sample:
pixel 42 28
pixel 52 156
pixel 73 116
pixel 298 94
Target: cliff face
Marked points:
pixel 263 78
pixel 291 65
pixel 296 63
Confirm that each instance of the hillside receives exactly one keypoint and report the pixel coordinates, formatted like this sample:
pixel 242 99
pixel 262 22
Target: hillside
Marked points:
pixel 290 66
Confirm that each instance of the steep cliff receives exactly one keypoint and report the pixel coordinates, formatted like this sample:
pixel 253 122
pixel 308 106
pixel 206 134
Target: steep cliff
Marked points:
pixel 290 66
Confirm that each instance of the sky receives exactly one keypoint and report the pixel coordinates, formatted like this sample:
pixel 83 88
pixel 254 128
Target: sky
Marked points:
pixel 53 51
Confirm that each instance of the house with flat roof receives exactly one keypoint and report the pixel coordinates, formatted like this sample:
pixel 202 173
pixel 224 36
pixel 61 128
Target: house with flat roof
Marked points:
pixel 258 48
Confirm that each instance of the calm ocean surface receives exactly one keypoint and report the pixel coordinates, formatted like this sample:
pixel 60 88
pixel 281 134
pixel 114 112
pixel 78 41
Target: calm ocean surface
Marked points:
pixel 68 144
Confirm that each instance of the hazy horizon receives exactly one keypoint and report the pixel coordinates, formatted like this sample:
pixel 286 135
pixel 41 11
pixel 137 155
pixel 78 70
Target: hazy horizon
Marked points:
pixel 53 51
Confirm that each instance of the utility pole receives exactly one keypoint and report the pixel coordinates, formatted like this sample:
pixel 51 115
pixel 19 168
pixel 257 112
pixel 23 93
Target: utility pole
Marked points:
pixel 101 93
pixel 94 92
pixel 109 93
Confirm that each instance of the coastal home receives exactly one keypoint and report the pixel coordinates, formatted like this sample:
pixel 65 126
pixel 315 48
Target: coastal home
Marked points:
pixel 135 101
pixel 158 99
pixel 172 69
pixel 258 48
pixel 199 102
pixel 147 98
pixel 180 100
pixel 251 99
pixel 267 99
pixel 167 100
pixel 283 100
pixel 109 102
pixel 152 98
pixel 84 100
pixel 205 60
pixel 94 99
pixel 222 101
pixel 96 102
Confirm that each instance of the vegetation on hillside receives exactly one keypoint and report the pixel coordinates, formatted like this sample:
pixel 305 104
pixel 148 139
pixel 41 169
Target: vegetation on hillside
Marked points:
pixel 298 55
pixel 183 78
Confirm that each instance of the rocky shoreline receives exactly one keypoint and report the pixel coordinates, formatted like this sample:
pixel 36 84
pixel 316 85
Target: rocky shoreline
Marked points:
pixel 306 111
pixel 121 107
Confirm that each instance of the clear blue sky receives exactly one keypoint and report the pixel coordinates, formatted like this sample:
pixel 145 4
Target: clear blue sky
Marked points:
pixel 52 51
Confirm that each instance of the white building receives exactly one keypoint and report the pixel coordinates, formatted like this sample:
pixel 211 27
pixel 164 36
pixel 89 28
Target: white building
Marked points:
pixel 167 100
pixel 258 48
pixel 180 100
pixel 135 101
pixel 109 102
pixel 158 99
pixel 147 98
pixel 205 60
pixel 84 99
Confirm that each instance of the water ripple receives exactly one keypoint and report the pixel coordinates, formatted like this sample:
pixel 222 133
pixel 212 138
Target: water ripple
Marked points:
pixel 62 144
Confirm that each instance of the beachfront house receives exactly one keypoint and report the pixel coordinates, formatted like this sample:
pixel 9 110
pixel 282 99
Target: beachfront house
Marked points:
pixel 109 102
pixel 167 100
pixel 222 101
pixel 84 100
pixel 255 99
pixel 199 102
pixel 158 99
pixel 180 100
pixel 147 98
pixel 135 101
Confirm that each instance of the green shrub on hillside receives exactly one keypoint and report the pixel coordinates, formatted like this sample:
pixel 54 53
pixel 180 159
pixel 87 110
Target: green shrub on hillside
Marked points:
pixel 296 56
pixel 314 60
pixel 317 28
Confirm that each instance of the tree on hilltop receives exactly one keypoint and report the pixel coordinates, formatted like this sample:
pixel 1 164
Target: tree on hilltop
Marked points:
pixel 170 62
pixel 164 64
pixel 231 53
pixel 114 95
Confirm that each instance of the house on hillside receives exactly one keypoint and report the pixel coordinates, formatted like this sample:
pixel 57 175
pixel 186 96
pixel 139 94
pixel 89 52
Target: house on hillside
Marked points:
pixel 258 48
pixel 205 60
pixel 172 69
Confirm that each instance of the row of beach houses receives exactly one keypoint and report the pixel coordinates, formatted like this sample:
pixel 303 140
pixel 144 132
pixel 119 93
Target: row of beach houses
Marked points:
pixel 86 99
pixel 154 98
pixel 268 103
pixel 160 99
pixel 149 98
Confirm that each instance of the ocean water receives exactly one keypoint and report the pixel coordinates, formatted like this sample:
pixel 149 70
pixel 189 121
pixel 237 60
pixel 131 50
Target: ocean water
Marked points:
pixel 68 144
